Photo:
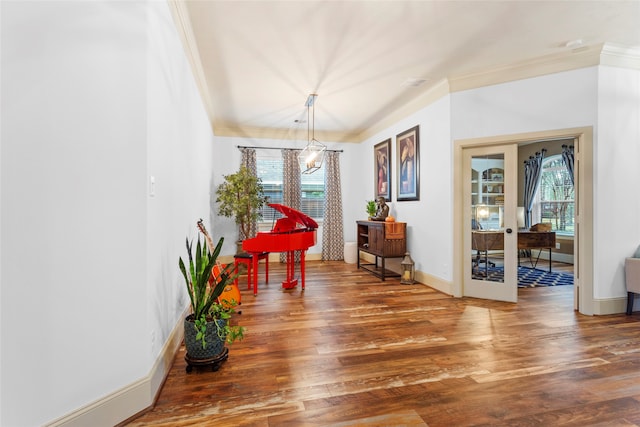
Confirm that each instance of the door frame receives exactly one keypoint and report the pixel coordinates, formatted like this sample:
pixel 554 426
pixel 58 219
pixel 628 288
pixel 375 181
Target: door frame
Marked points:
pixel 583 175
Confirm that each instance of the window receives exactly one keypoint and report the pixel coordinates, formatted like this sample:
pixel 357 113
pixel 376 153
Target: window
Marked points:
pixel 555 197
pixel 270 171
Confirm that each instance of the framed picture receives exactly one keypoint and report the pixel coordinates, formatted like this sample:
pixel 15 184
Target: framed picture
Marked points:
pixel 382 168
pixel 408 164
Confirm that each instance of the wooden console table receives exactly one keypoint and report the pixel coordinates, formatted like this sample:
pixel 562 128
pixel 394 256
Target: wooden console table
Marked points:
pixel 382 240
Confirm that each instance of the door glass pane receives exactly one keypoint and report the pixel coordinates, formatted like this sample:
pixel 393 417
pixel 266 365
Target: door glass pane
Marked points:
pixel 487 217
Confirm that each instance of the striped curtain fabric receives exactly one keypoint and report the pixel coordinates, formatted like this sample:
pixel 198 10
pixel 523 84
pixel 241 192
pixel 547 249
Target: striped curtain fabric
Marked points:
pixel 249 161
pixel 332 233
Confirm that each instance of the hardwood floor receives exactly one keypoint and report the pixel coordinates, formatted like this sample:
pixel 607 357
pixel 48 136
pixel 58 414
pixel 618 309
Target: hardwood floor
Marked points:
pixel 354 351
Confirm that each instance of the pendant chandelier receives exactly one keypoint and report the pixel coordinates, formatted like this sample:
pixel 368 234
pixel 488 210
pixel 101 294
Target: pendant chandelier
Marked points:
pixel 312 156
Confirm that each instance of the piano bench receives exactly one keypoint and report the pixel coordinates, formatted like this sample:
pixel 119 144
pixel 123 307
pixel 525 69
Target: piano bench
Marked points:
pixel 247 259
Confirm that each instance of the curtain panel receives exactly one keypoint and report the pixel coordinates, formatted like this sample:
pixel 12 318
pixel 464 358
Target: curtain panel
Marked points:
pixel 249 160
pixel 332 232
pixel 567 157
pixel 532 176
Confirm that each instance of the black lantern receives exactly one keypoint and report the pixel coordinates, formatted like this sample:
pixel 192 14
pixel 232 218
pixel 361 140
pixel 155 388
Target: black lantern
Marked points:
pixel 408 276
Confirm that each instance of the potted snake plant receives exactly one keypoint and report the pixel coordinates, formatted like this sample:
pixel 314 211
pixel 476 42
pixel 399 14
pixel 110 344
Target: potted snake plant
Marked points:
pixel 207 328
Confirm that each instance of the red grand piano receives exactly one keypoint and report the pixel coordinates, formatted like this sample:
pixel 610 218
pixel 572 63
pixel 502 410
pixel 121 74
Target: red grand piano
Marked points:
pixel 294 232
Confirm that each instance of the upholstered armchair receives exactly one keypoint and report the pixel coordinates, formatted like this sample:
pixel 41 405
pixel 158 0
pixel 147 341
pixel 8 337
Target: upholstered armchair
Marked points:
pixel 632 276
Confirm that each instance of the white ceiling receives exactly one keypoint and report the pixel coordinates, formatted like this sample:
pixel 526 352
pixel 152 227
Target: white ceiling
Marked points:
pixel 257 61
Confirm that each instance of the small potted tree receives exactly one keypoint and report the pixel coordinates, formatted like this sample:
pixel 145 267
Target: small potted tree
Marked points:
pixel 241 196
pixel 208 328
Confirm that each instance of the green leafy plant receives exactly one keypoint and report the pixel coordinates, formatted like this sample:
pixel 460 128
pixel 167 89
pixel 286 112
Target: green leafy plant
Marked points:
pixel 241 196
pixel 204 296
pixel 371 207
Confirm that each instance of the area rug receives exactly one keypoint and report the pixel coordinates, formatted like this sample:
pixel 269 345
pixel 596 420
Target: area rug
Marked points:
pixel 527 277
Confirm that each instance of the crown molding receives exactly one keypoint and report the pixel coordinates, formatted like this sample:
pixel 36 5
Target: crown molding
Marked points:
pixel 620 56
pixel 582 57
pixel 586 56
pixel 230 130
pixel 185 32
pixel 430 95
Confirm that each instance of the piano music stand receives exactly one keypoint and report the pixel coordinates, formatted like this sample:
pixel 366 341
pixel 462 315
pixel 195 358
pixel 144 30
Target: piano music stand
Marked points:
pixel 248 260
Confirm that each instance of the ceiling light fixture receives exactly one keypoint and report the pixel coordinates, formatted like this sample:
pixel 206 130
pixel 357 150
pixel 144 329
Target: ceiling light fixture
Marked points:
pixel 572 44
pixel 312 156
pixel 414 82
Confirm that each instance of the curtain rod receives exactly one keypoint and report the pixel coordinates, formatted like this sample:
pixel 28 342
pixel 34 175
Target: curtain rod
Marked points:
pixel 282 148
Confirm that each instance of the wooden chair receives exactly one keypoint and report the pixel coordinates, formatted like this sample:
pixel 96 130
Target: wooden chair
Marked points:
pixel 632 277
pixel 247 259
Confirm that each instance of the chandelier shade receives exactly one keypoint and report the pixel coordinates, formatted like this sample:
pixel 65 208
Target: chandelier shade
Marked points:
pixel 312 155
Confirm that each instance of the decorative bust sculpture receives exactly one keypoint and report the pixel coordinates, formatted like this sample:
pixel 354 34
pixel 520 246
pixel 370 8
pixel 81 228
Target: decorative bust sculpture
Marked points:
pixel 382 211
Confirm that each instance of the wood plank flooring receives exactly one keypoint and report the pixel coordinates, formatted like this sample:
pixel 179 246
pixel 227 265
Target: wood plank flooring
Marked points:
pixel 354 351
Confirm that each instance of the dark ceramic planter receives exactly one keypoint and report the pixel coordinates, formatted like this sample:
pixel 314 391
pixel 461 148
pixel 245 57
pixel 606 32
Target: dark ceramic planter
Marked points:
pixel 214 346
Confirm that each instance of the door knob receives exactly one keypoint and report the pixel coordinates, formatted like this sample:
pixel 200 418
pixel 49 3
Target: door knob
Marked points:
pixel 509 230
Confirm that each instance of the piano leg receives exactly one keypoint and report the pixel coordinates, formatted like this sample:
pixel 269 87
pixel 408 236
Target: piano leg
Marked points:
pixel 290 283
pixel 254 260
pixel 302 268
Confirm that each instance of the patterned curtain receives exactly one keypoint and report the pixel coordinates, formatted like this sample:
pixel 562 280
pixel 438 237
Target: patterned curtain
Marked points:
pixel 291 186
pixel 567 157
pixel 249 161
pixel 532 176
pixel 332 235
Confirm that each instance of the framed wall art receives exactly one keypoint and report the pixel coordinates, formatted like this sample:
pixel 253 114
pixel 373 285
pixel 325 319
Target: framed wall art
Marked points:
pixel 408 164
pixel 382 168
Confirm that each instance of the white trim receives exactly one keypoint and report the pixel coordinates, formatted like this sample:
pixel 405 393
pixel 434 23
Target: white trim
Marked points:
pixel 620 56
pixel 603 307
pixel 434 282
pixel 132 399
pixel 185 32
pixel 583 57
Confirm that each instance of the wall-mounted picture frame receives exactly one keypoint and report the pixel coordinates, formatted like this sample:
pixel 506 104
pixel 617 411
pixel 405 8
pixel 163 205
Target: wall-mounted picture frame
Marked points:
pixel 408 164
pixel 382 168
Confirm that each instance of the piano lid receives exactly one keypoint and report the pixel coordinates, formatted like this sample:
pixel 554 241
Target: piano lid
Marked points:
pixel 295 215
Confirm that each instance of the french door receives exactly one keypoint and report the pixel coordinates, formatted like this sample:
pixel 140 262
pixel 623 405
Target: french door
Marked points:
pixel 490 224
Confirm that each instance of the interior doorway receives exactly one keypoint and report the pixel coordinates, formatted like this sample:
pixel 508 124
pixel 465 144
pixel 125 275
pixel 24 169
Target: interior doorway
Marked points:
pixel 553 204
pixel 582 220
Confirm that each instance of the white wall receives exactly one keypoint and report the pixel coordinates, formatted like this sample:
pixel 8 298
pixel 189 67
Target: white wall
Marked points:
pixel 617 203
pixel 605 98
pixel 556 101
pixel 429 220
pixel 179 158
pixel 96 96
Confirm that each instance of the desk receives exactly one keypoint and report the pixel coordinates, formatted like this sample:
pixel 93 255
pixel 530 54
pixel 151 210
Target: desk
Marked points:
pixel 485 241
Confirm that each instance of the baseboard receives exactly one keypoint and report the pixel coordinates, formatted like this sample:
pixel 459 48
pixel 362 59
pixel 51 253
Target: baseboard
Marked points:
pixel 434 282
pixel 602 307
pixel 132 399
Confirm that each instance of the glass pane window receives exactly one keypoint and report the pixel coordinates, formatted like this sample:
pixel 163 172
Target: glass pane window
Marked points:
pixel 270 170
pixel 555 198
